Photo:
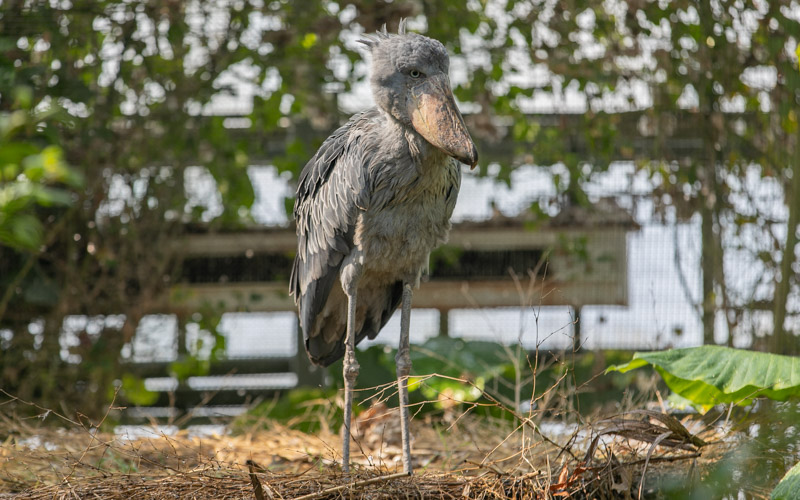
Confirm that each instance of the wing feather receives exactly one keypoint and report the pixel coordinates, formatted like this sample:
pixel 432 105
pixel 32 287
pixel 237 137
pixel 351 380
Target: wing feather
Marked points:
pixel 331 190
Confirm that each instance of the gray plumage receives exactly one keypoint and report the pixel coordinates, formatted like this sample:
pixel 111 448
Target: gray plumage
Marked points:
pixel 378 186
pixel 366 188
pixel 371 205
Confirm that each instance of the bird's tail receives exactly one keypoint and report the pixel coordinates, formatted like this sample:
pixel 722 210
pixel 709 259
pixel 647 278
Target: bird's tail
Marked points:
pixel 324 353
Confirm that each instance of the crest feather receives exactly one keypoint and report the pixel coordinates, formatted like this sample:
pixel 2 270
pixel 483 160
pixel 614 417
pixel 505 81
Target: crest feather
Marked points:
pixel 374 39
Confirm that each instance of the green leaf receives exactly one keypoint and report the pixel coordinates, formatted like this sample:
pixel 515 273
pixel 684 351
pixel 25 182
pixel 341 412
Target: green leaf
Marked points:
pixel 475 361
pixel 679 402
pixel 135 391
pixel 188 366
pixel 789 487
pixel 26 232
pixel 309 40
pixel 711 375
pixel 46 196
pixel 23 95
pixel 457 358
pixel 13 153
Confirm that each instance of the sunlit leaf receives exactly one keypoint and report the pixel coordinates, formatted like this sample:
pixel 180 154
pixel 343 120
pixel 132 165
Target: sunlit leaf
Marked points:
pixel 710 375
pixel 189 366
pixel 134 390
pixel 789 487
pixel 12 153
pixel 309 40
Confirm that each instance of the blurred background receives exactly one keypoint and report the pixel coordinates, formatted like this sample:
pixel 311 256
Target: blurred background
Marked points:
pixel 638 185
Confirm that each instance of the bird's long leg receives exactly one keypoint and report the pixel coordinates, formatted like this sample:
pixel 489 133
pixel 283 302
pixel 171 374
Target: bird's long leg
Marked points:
pixel 350 372
pixel 403 361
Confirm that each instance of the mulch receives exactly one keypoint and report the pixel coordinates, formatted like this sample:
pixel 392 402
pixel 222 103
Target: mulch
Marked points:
pixel 470 458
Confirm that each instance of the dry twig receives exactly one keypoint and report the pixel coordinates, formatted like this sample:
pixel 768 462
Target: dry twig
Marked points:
pixel 352 486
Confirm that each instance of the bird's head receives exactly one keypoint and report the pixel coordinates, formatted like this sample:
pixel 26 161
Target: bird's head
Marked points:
pixel 410 82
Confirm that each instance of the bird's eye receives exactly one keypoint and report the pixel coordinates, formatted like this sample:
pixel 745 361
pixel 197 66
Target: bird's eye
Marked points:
pixel 414 73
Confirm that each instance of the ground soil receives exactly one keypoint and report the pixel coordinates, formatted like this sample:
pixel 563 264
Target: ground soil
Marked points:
pixel 467 457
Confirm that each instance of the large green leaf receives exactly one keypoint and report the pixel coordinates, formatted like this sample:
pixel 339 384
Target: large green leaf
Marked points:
pixel 710 375
pixel 458 358
pixel 789 487
pixel 475 361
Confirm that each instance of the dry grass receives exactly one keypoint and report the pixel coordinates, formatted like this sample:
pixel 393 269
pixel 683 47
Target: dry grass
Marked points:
pixel 468 457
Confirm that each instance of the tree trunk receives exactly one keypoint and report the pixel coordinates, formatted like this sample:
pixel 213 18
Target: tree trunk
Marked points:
pixel 708 175
pixel 576 329
pixel 782 341
pixel 707 265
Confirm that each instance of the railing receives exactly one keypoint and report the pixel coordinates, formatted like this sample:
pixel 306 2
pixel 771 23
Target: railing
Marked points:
pixel 504 263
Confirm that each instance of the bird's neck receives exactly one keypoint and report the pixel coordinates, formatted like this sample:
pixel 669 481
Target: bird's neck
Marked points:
pixel 421 151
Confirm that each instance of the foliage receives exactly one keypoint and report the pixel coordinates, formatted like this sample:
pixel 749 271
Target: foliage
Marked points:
pixel 711 375
pixel 32 172
pixel 710 64
pixel 559 387
pixel 477 362
pixel 463 371
pixel 133 80
pixel 789 487
pixel 134 391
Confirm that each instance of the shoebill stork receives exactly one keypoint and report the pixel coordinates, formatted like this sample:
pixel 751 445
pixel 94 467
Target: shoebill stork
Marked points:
pixel 372 204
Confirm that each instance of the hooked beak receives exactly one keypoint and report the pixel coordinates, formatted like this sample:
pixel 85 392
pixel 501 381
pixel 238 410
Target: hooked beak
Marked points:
pixel 435 117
